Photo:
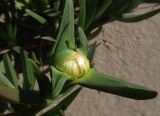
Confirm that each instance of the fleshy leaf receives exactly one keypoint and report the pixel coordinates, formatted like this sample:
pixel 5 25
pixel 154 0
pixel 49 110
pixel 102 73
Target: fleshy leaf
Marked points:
pixel 65 36
pixel 62 106
pixel 82 13
pixel 83 41
pixel 29 79
pixel 95 33
pixel 42 79
pixel 5 82
pixel 90 12
pixel 130 19
pixel 9 94
pixel 10 72
pixel 110 84
pixel 104 4
pixel 36 16
pixel 57 4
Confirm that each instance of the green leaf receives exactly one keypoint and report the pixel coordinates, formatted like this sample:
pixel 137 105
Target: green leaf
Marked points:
pixel 119 7
pixel 65 38
pixel 10 72
pixel 36 16
pixel 9 94
pixel 110 84
pixel 63 105
pixel 5 82
pixel 95 33
pixel 42 80
pixel 82 13
pixel 91 12
pixel 19 5
pixel 57 4
pixel 104 4
pixel 130 19
pixel 29 79
pixel 58 81
pixel 2 68
pixel 12 32
pixel 17 49
pixel 83 41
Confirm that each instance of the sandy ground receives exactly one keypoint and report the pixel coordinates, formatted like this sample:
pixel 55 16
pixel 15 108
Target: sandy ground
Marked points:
pixel 132 52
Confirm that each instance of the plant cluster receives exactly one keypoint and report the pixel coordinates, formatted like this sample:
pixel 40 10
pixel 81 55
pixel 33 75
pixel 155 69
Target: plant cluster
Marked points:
pixel 44 53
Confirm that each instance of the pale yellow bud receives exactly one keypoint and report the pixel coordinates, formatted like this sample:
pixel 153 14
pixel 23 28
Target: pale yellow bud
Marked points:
pixel 75 65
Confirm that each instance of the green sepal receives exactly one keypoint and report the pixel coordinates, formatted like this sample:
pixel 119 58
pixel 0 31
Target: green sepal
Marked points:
pixel 65 38
pixel 110 84
pixel 58 81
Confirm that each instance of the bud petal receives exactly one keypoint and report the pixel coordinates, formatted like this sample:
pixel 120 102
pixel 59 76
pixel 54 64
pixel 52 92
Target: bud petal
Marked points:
pixel 75 65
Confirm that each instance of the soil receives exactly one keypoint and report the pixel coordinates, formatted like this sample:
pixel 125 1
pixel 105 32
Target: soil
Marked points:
pixel 128 51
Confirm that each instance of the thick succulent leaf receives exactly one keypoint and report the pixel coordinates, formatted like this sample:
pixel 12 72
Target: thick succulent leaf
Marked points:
pixel 83 41
pixel 91 8
pixel 42 80
pixel 36 16
pixel 82 13
pixel 129 18
pixel 58 81
pixel 103 5
pixel 119 7
pixel 2 68
pixel 57 4
pixel 5 82
pixel 63 105
pixel 10 72
pixel 110 84
pixel 66 31
pixel 9 94
pixel 29 79
pixel 19 5
pixel 57 105
pixel 95 33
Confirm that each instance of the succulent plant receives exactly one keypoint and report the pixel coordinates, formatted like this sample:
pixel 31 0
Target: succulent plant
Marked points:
pixel 45 53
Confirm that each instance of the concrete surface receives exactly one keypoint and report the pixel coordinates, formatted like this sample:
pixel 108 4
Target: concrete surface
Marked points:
pixel 131 51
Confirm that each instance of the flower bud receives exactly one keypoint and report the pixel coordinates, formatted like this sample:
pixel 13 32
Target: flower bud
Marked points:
pixel 75 64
